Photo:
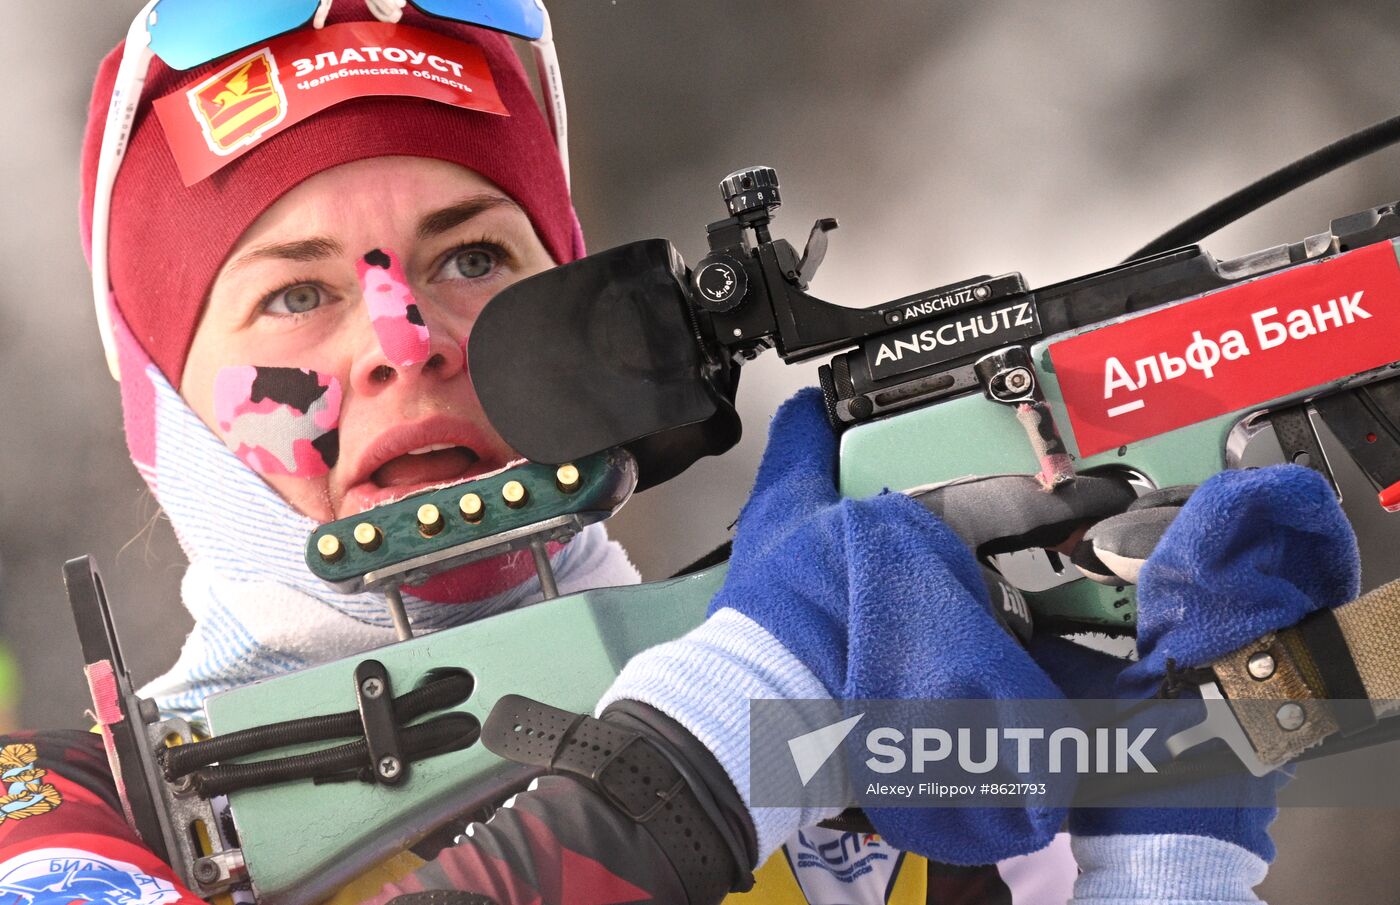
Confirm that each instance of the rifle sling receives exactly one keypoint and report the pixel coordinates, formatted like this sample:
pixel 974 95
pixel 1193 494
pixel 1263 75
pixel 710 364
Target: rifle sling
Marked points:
pixel 1341 666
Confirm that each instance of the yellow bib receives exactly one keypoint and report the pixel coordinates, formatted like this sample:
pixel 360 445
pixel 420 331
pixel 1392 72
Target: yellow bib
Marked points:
pixel 775 884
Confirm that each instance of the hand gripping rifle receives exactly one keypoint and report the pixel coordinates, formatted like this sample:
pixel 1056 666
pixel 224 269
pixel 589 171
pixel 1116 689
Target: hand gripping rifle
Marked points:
pixel 618 371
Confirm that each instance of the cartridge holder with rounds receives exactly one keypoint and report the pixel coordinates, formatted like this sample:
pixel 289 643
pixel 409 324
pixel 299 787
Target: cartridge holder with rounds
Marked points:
pixel 368 537
pixel 514 494
pixel 330 547
pixel 429 520
pixel 567 478
pixel 471 507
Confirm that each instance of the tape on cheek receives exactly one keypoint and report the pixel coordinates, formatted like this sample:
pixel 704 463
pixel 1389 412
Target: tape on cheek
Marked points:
pixel 280 421
pixel 392 309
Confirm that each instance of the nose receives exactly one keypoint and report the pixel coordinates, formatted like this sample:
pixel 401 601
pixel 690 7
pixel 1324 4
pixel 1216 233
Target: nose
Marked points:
pixel 374 370
pixel 405 344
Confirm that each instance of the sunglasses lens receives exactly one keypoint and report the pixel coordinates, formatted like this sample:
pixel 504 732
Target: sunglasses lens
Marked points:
pixel 522 18
pixel 186 33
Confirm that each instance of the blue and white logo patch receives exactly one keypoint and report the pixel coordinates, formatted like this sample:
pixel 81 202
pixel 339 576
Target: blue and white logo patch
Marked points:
pixel 60 876
pixel 836 866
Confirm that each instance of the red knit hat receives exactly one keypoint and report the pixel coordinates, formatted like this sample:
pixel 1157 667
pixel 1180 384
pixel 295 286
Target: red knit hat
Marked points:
pixel 168 241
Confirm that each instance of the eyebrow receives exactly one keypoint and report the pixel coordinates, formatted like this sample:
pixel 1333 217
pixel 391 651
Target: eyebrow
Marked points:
pixel 316 249
pixel 322 247
pixel 440 221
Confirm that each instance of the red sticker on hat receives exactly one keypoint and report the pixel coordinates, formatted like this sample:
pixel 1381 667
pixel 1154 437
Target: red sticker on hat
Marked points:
pixel 281 83
pixel 1228 350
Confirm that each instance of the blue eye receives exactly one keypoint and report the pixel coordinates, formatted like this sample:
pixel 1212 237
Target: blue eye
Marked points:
pixel 298 299
pixel 470 262
pixel 473 263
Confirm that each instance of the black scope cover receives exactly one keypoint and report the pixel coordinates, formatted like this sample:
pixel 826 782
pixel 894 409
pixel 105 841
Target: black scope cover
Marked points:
pixel 601 353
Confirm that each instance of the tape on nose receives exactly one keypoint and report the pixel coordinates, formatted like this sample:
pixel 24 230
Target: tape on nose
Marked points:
pixel 398 323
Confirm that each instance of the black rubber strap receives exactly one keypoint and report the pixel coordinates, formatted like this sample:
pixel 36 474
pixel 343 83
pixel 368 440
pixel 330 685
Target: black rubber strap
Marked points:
pixel 628 771
pixel 1336 670
pixel 442 897
pixel 713 789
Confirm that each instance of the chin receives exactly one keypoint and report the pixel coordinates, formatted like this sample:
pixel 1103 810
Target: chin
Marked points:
pixel 479 580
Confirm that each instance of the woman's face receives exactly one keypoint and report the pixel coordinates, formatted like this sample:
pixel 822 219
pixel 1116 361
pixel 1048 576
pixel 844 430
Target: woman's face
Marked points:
pixel 331 354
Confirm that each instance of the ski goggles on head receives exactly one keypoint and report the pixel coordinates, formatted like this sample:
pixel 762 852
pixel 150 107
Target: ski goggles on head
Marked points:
pixel 188 33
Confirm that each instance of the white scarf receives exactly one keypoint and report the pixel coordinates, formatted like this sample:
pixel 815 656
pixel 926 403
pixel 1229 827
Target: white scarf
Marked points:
pixel 258 610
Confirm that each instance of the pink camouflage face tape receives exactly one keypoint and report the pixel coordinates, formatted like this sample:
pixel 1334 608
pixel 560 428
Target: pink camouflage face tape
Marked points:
pixel 280 421
pixel 397 321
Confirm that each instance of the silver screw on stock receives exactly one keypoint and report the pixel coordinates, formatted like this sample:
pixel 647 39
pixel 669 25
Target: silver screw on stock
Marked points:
pixel 1018 380
pixel 1291 717
pixel 1261 665
pixel 389 766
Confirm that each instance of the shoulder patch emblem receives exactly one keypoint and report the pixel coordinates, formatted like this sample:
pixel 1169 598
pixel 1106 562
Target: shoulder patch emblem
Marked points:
pixel 25 792
pixel 66 876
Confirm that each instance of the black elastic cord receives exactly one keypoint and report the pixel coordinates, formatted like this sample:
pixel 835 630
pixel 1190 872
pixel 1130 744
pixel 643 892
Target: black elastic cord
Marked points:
pixel 1278 183
pixel 449 732
pixel 445 691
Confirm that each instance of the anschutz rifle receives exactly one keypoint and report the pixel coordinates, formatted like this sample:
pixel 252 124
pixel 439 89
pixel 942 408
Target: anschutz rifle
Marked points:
pixel 1158 370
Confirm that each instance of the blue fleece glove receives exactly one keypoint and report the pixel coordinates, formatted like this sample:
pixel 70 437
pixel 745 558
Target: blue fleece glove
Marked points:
pixel 1251 552
pixel 879 599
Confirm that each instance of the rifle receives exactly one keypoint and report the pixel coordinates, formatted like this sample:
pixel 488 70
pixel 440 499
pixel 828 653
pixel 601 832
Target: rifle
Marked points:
pixel 1159 370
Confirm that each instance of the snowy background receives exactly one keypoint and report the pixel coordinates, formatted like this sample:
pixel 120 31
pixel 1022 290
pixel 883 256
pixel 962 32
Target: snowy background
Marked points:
pixel 950 139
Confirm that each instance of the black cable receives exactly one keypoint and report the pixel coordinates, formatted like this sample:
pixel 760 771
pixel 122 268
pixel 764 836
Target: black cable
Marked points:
pixel 446 691
pixel 1278 183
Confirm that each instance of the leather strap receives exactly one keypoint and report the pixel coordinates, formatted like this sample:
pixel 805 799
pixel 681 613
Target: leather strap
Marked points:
pixel 629 772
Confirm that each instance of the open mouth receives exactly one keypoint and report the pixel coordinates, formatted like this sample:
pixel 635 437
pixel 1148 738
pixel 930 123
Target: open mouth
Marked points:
pixel 437 463
pixel 407 474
